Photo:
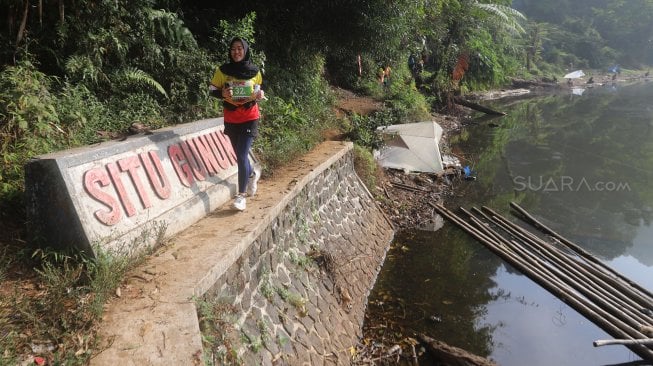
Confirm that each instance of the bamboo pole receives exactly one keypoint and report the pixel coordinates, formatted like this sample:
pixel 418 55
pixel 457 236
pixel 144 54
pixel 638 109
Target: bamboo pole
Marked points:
pixel 615 293
pixel 644 299
pixel 608 342
pixel 590 310
pixel 564 278
pixel 576 248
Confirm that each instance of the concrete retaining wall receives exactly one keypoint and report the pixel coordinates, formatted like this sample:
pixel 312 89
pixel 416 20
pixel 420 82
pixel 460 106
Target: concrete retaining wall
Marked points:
pixel 299 291
pixel 285 282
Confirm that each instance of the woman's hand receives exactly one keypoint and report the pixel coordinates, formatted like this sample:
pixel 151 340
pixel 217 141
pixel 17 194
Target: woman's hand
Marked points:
pixel 227 92
pixel 258 93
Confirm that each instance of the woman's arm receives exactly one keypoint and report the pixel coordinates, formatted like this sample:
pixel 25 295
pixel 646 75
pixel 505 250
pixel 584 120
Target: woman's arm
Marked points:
pixel 214 91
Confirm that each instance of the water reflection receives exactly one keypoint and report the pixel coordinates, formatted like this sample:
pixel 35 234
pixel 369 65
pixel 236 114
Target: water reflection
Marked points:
pixel 582 166
pixel 584 160
pixel 439 287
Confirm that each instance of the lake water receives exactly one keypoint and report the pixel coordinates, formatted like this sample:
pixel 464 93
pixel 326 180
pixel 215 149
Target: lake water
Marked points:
pixel 581 164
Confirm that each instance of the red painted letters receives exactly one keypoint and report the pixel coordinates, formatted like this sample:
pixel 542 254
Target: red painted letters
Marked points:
pixel 192 160
pixel 120 189
pixel 158 179
pixel 93 180
pixel 181 166
pixel 130 165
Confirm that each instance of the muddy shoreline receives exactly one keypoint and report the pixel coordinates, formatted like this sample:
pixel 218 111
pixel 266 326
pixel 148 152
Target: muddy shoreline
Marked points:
pixel 407 200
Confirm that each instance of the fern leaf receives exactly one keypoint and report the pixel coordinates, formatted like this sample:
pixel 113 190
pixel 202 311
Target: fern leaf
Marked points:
pixel 136 76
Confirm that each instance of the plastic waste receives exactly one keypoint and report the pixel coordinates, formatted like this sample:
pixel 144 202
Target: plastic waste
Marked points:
pixel 469 174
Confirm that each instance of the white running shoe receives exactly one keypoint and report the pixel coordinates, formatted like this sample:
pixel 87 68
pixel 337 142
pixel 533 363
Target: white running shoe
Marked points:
pixel 252 184
pixel 240 203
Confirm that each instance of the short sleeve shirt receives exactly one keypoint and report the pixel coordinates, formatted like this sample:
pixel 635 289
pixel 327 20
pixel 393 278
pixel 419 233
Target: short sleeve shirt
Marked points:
pixel 242 89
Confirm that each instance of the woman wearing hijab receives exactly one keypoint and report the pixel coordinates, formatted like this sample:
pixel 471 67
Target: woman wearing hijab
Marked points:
pixel 238 83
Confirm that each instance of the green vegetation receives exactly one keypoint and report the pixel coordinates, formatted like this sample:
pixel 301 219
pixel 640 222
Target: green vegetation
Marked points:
pixel 292 298
pixel 591 33
pixel 55 310
pixel 365 166
pixel 73 73
pixel 217 318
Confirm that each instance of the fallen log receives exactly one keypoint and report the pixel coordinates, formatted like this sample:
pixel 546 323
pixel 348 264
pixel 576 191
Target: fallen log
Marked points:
pixel 477 107
pixel 544 83
pixel 450 355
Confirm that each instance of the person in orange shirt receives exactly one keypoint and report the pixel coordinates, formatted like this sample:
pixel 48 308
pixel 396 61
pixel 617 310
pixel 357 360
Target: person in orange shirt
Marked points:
pixel 238 83
pixel 386 75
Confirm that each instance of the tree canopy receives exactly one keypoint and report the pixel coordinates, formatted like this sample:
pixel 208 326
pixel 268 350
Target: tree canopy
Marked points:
pixel 595 32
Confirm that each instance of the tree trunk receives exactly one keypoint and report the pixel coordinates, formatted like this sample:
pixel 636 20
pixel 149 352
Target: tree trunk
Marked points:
pixel 23 24
pixel 450 355
pixel 478 107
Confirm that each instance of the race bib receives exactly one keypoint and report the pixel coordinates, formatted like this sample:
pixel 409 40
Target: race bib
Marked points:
pixel 242 89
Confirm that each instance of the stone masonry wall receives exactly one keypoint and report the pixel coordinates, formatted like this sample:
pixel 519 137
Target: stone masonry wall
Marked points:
pixel 297 296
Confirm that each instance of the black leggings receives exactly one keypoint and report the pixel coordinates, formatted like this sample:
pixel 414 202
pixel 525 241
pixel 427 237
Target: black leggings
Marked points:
pixel 242 136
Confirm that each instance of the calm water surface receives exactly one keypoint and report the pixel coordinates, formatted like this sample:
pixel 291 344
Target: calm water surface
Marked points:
pixel 583 165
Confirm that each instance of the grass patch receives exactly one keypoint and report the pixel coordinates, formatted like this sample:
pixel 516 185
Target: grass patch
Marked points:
pixel 366 167
pixel 266 287
pixel 292 298
pixel 216 318
pixel 54 313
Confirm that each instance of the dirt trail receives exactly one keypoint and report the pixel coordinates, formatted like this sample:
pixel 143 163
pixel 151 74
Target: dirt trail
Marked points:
pixel 349 102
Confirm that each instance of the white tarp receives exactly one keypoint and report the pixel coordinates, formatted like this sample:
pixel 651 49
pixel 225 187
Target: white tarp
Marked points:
pixel 574 75
pixel 412 147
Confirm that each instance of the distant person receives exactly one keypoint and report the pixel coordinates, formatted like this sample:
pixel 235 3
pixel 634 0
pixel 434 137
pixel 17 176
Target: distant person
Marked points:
pixel 360 65
pixel 238 83
pixel 424 57
pixel 386 76
pixel 412 63
pixel 380 74
pixel 418 73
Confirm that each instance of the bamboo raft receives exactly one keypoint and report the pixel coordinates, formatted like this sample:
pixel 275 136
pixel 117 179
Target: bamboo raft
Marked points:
pixel 619 306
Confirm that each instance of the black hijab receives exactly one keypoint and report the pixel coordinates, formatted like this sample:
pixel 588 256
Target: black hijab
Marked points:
pixel 241 70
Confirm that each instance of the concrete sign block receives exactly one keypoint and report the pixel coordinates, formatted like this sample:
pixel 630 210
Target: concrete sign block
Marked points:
pixel 124 196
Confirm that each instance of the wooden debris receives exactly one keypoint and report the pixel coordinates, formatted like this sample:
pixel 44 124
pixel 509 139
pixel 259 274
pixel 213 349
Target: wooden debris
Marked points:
pixel 605 297
pixel 452 356
pixel 407 187
pixel 477 107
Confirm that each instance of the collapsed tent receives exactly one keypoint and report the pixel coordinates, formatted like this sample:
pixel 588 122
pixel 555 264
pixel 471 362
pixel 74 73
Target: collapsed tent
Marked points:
pixel 575 75
pixel 412 147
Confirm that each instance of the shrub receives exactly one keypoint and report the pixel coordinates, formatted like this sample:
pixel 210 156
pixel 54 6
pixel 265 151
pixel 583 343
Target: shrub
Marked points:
pixel 29 123
pixel 365 166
